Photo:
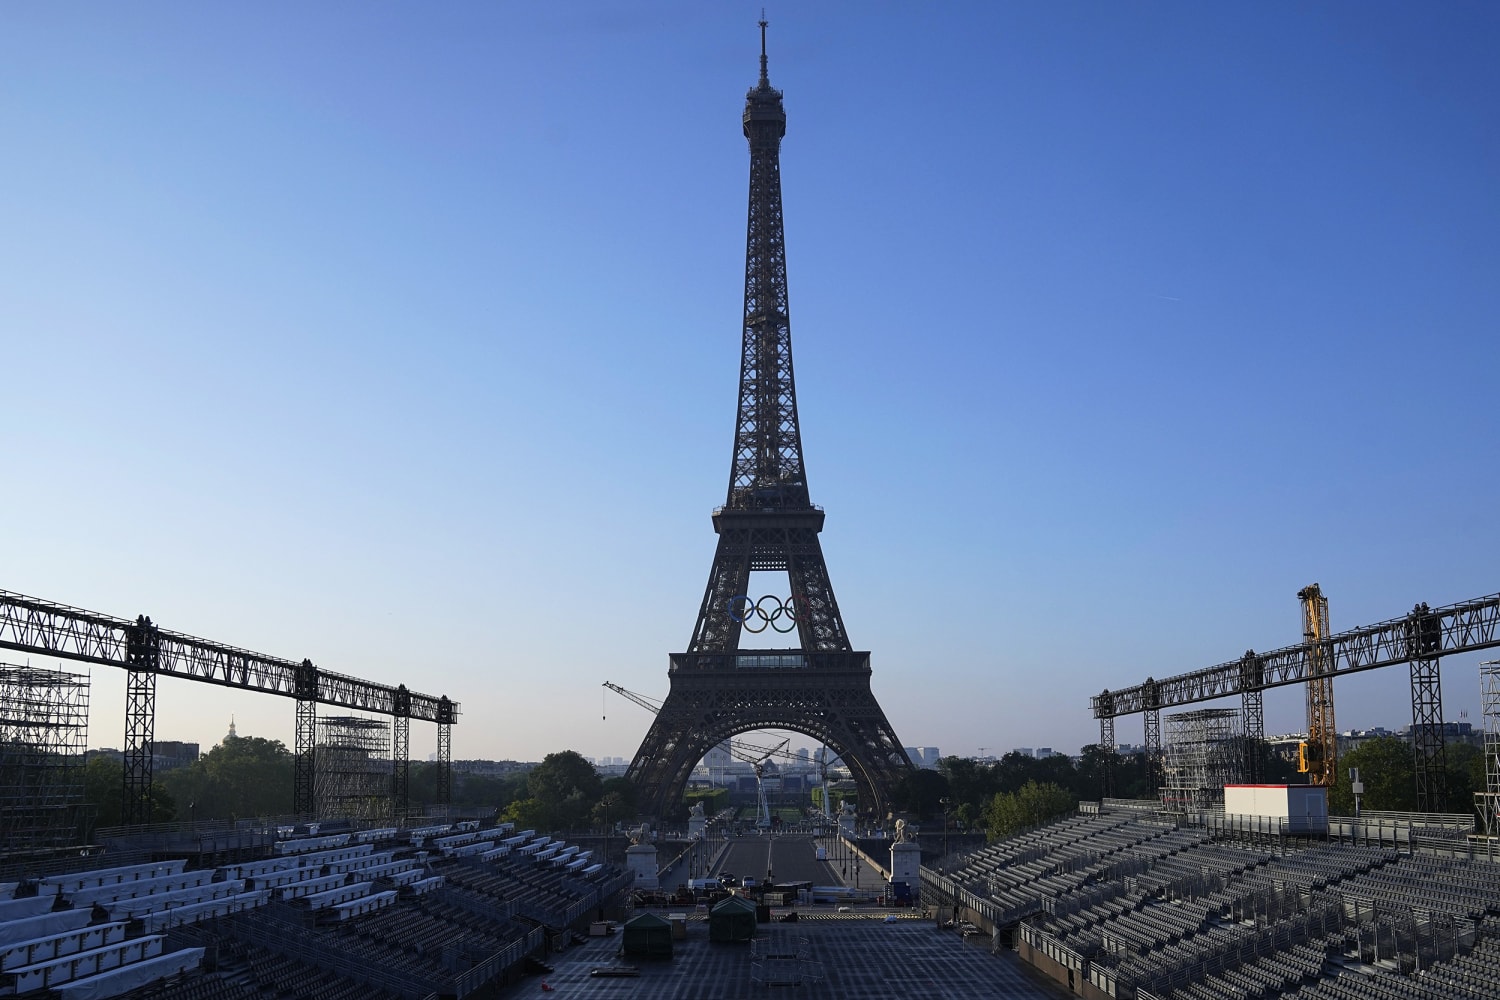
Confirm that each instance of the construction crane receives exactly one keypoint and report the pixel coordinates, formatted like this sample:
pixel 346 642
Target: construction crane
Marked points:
pixel 652 705
pixel 750 753
pixel 1317 756
pixel 758 758
pixel 827 810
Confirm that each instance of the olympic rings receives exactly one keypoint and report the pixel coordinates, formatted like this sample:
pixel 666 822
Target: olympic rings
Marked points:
pixel 769 610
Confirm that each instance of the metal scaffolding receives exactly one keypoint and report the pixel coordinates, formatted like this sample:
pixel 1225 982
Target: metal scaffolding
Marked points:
pixel 44 723
pixel 1488 801
pixel 1204 752
pixel 353 769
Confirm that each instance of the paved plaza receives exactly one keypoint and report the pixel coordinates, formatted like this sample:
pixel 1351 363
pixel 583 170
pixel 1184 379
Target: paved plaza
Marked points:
pixel 859 957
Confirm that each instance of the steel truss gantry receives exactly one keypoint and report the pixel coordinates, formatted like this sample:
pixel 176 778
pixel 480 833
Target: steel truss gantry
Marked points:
pixel 1419 638
pixel 146 651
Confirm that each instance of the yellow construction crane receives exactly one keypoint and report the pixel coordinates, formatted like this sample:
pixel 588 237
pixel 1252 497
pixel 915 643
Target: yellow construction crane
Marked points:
pixel 1317 756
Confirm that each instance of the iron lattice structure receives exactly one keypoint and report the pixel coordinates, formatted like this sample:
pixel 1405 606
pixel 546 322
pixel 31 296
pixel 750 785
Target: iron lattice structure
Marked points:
pixel 146 651
pixel 353 779
pixel 768 523
pixel 1488 800
pixel 44 722
pixel 1203 755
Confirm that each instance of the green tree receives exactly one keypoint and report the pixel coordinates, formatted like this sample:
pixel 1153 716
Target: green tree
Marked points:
pixel 561 792
pixel 625 791
pixel 528 814
pixel 104 796
pixel 920 792
pixel 969 781
pixel 1030 805
pixel 1388 772
pixel 103 792
pixel 242 777
pixel 1465 776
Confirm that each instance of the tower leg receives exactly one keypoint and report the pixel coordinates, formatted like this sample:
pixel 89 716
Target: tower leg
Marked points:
pixel 1107 742
pixel 1428 743
pixel 1252 704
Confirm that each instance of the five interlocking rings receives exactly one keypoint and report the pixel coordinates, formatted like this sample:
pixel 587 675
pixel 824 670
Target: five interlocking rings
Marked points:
pixel 769 610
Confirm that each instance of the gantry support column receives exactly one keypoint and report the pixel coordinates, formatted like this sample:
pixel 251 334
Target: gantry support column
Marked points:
pixel 1425 638
pixel 1107 744
pixel 143 659
pixel 445 753
pixel 303 769
pixel 1253 713
pixel 401 755
pixel 1427 739
pixel 1151 721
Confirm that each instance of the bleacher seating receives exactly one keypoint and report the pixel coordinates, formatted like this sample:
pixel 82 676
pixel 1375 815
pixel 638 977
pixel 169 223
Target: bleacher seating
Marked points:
pixel 1139 904
pixel 325 918
pixel 65 884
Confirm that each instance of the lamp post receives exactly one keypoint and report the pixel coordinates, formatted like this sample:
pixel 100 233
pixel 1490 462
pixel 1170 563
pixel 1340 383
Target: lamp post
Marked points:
pixel 944 802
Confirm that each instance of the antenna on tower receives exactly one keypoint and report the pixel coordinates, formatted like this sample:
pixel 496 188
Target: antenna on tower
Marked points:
pixel 765 81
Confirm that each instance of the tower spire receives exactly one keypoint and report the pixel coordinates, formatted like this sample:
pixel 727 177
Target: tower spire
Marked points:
pixel 765 80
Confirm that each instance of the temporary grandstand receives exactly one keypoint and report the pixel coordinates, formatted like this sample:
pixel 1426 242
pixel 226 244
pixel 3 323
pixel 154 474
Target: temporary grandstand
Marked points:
pixel 1127 900
pixel 374 914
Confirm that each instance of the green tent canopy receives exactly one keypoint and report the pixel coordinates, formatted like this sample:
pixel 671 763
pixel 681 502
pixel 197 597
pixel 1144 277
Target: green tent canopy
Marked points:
pixel 732 919
pixel 648 936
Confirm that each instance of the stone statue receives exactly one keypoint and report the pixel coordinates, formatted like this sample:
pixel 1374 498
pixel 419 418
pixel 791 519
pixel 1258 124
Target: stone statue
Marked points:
pixel 641 834
pixel 697 811
pixel 847 808
pixel 904 834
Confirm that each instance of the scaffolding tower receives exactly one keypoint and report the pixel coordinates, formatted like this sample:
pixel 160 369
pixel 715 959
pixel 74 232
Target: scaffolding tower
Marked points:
pixel 1204 752
pixel 44 728
pixel 353 773
pixel 1488 801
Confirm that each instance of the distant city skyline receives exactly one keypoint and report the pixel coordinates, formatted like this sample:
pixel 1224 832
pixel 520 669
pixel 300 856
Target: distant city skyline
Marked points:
pixel 406 342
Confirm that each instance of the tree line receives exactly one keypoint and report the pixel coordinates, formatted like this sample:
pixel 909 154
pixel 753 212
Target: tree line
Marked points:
pixel 252 777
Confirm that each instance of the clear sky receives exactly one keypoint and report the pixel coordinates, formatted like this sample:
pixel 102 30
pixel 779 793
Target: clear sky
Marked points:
pixel 404 338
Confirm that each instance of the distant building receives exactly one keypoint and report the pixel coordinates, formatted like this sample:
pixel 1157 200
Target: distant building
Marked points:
pixel 490 768
pixel 168 755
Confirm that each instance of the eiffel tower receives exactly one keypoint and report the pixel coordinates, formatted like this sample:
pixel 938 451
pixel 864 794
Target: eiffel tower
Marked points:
pixel 767 523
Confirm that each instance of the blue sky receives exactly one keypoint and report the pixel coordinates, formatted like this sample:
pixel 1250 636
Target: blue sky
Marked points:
pixel 405 339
